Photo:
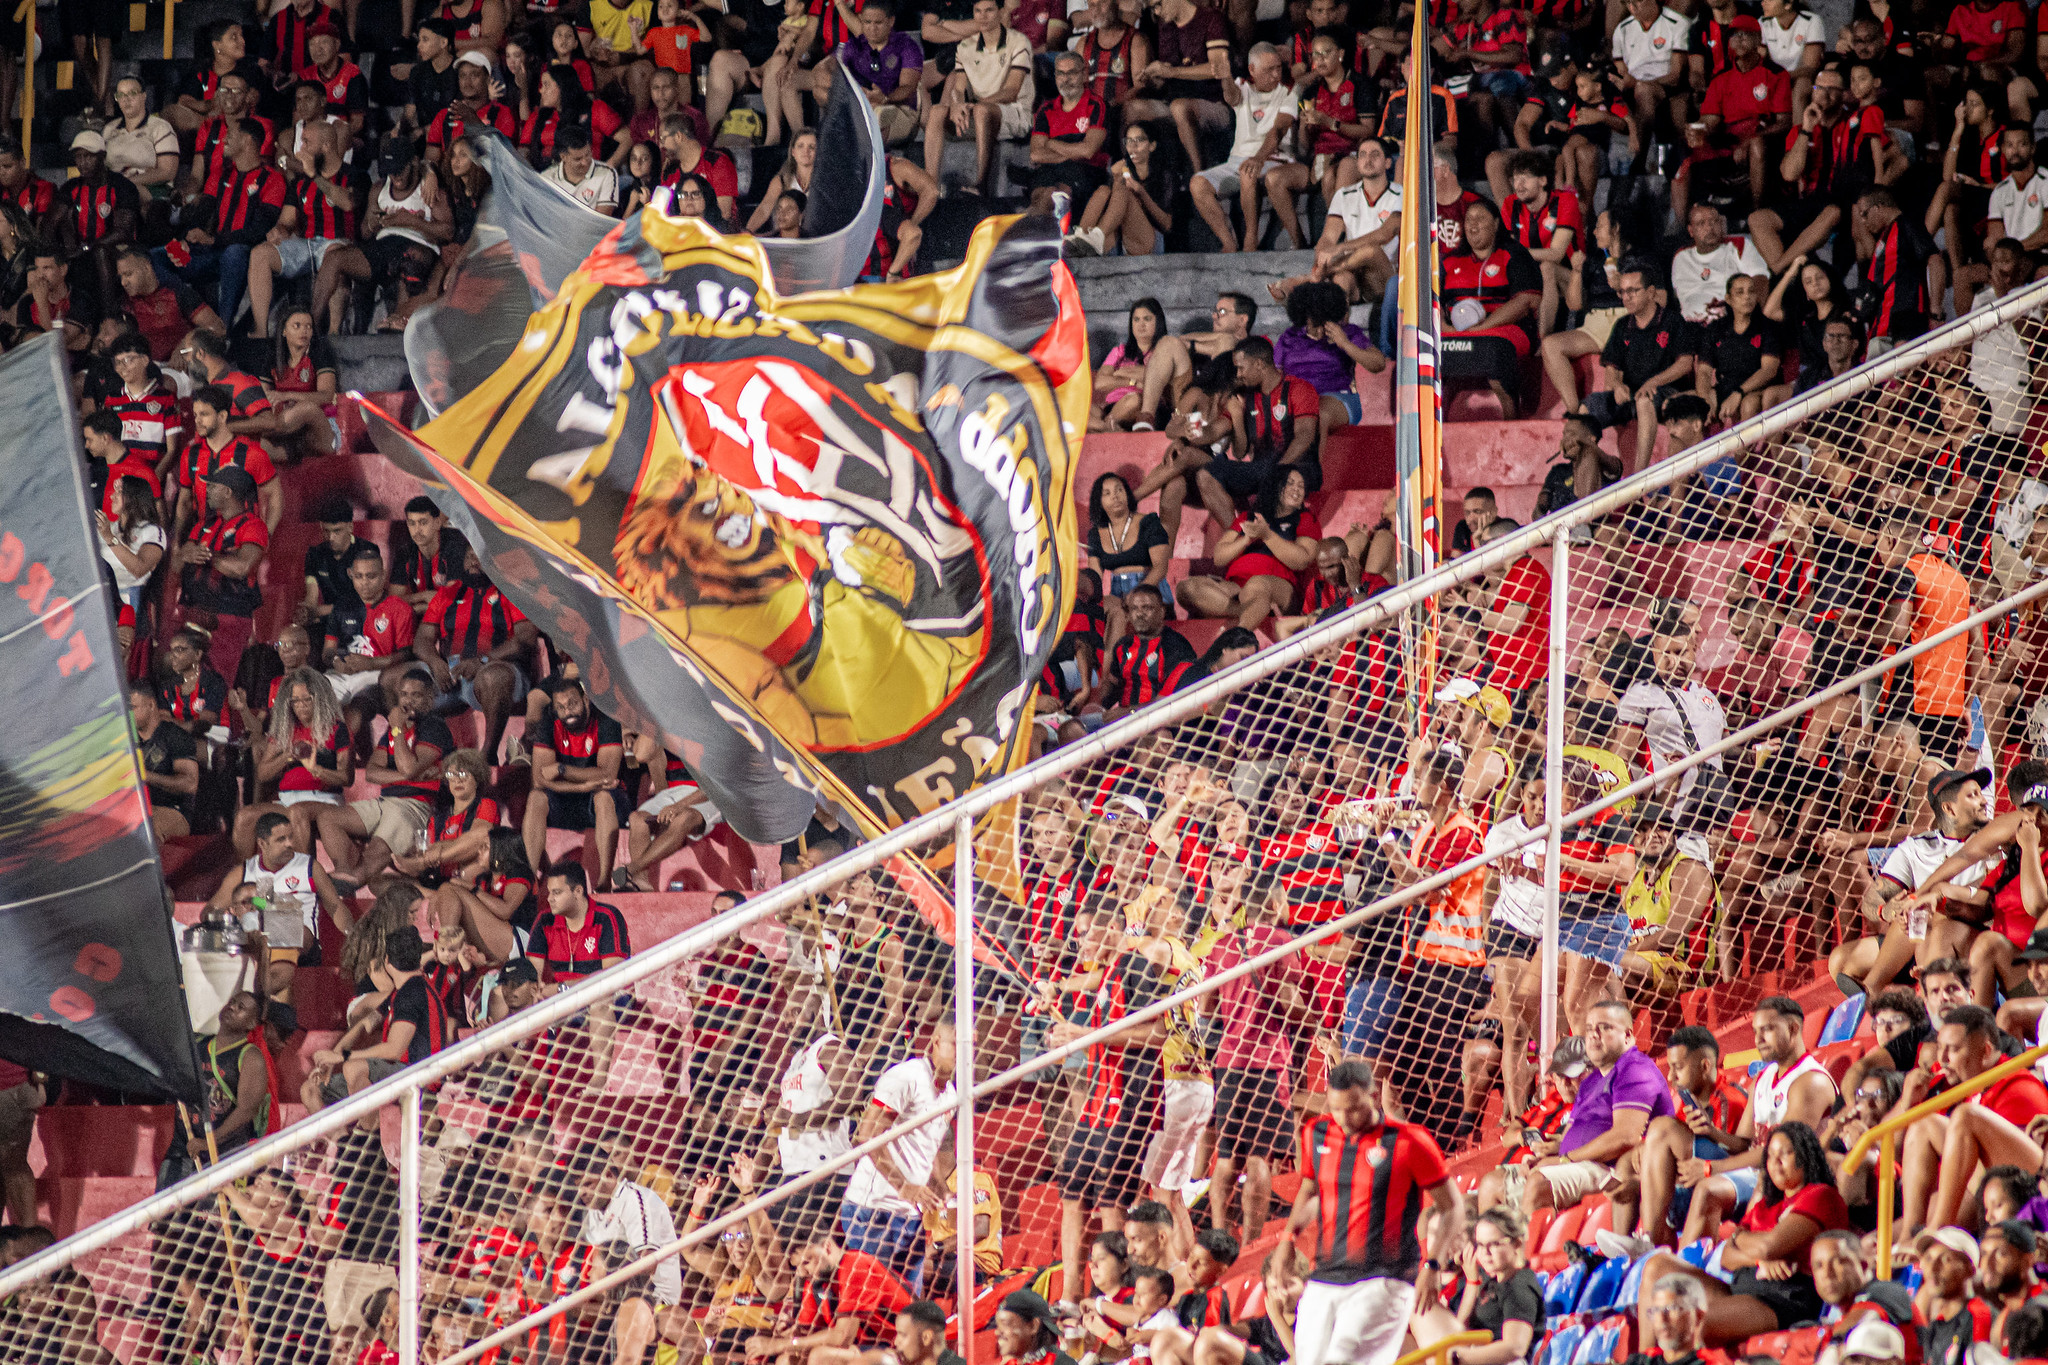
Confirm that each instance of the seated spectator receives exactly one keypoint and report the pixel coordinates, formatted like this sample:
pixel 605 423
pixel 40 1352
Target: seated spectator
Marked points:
pixel 162 313
pixel 684 157
pixel 1954 1317
pixel 477 645
pixel 204 356
pixel 1942 1152
pixel 795 174
pixel 2007 1277
pixel 293 890
pixel 1854 1295
pixel 302 387
pixel 1360 242
pixel 1135 212
pixel 1171 366
pixel 1123 369
pixel 193 694
pixel 1143 665
pixel 1069 138
pixel 670 816
pixel 1830 156
pixel 50 303
pixel 218 561
pixel 148 423
pixel 406 765
pixel 1546 223
pixel 431 556
pixel 1770 1283
pixel 1700 274
pixel 577 750
pixel 1128 548
pixel 473 109
pixel 1617 1101
pixel 1276 422
pixel 1738 362
pixel 1649 358
pixel 850 1301
pixel 1794 39
pixel 105 214
pixel 325 200
pixel 1493 291
pixel 368 646
pixel 170 763
pixel 328 559
pixel 251 196
pixel 1585 466
pixel 1749 104
pixel 578 174
pixel 409 1024
pixel 305 752
pixel 1328 132
pixel 886 66
pixel 1116 50
pixel 1264 108
pixel 493 902
pixel 1501 1297
pixel 1649 53
pixel 987 94
pixel 141 146
pixel 1490 42
pixel 407 222
pixel 1184 82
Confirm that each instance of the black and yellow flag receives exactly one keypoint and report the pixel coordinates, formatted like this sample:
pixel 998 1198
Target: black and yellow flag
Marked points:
pixel 823 544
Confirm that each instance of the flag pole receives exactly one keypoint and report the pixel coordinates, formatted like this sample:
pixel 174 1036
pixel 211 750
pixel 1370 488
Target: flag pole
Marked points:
pixel 1418 433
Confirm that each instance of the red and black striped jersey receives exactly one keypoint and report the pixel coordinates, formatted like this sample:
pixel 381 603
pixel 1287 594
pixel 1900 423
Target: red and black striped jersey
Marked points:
pixel 149 421
pixel 319 216
pixel 1142 670
pixel 347 89
pixel 1204 1306
pixel 285 35
pixel 1050 900
pixel 1123 1082
pixel 93 206
pixel 569 952
pixel 200 459
pixel 246 397
pixel 1311 865
pixel 471 621
pixel 1371 1188
pixel 832 26
pixel 576 746
pixel 35 198
pixel 1109 67
pixel 209 148
pixel 250 201
pixel 468 20
pixel 1782 574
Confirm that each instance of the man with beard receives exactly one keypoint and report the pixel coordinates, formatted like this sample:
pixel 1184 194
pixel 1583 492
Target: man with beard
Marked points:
pixel 478 647
pixel 1924 879
pixel 577 751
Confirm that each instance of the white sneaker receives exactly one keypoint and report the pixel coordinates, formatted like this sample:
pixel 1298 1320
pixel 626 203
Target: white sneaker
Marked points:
pixel 1620 1245
pixel 1085 241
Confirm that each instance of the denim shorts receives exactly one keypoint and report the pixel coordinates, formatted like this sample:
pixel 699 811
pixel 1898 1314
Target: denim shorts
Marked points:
pixel 1603 938
pixel 1370 1008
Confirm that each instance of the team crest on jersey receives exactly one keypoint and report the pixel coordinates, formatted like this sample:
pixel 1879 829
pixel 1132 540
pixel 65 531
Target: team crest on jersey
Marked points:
pixel 1315 842
pixel 1492 270
pixel 1377 1156
pixel 1761 90
pixel 1656 42
pixel 1081 124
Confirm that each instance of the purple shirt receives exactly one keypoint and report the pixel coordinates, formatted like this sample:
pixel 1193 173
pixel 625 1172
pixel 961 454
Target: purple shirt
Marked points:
pixel 1320 365
pixel 881 70
pixel 1634 1083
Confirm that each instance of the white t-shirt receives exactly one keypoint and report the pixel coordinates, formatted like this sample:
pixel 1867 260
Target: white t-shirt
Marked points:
pixel 637 1217
pixel 598 189
pixel 1361 215
pixel 1158 1322
pixel 906 1088
pixel 988 65
pixel 1256 113
pixel 1646 53
pixel 145 533
pixel 1998 366
pixel 1519 904
pixel 2021 206
pixel 1786 46
pixel 1650 707
pixel 1916 858
pixel 1700 282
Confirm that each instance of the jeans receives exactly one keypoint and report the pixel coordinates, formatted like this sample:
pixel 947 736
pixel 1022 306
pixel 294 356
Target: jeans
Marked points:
pixel 1388 324
pixel 894 1239
pixel 225 268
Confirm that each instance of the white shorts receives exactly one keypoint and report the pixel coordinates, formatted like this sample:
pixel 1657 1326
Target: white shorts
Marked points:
pixel 1574 1180
pixel 669 796
pixel 1222 177
pixel 1352 1324
pixel 349 686
pixel 308 799
pixel 1185 1109
pixel 302 256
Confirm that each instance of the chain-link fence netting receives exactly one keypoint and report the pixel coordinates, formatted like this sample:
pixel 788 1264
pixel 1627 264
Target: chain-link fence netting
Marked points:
pixel 1181 923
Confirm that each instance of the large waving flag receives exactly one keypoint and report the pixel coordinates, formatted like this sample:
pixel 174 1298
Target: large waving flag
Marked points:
pixel 1418 431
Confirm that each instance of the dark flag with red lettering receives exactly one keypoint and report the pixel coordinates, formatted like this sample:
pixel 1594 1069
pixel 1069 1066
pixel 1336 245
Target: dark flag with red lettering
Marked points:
pixel 92 986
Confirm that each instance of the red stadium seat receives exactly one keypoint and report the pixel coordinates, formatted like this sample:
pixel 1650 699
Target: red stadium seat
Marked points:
pixel 1565 1228
pixel 1538 1226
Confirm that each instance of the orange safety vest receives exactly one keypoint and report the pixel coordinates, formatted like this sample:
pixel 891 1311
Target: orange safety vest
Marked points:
pixel 1456 932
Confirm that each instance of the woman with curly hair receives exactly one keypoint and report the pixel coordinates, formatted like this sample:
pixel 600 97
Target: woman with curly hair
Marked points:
pixel 305 753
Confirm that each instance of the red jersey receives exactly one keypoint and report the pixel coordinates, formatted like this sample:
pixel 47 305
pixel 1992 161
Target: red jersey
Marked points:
pixel 300 376
pixel 1983 32
pixel 1522 657
pixel 1061 124
pixel 373 632
pixel 472 622
pixel 1744 99
pixel 1340 104
pixel 1534 228
pixel 149 423
pixel 200 459
pixel 327 755
pixel 1311 864
pixel 1504 275
pixel 861 1287
pixel 1370 1189
pixel 35 198
pixel 450 125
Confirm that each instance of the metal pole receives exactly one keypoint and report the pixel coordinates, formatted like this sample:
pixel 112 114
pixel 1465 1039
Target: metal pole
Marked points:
pixel 1553 800
pixel 963 1076
pixel 409 1229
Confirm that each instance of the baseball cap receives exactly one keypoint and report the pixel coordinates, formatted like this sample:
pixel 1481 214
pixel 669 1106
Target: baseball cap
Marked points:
pixel 2017 1233
pixel 1954 1238
pixel 2036 949
pixel 1873 1338
pixel 1027 1304
pixel 1748 23
pixel 88 141
pixel 519 971
pixel 1568 1058
pixel 474 58
pixel 1939 785
pixel 1551 63
pixel 236 479
pixel 2036 795
pixel 1122 805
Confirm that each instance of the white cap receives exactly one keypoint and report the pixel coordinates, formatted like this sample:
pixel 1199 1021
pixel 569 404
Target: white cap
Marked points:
pixel 1874 1339
pixel 474 58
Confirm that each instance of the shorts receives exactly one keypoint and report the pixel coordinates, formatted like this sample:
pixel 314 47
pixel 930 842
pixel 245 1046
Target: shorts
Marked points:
pixel 898 122
pixel 1242 478
pixel 669 796
pixel 1016 121
pixel 348 1283
pixel 1668 974
pixel 18 1108
pixel 1603 938
pixel 1574 1180
pixel 393 256
pixel 1252 1117
pixel 578 810
pixel 1359 1324
pixel 1222 177
pixel 1494 354
pixel 398 821
pixel 1101 1168
pixel 348 686
pixel 1184 1113
pixel 1504 940
pixel 289 799
pixel 1599 324
pixel 1793 1300
pixel 1799 214
pixel 1370 1008
pixel 299 256
pixel 462 696
pixel 1608 414
pixel 336 1089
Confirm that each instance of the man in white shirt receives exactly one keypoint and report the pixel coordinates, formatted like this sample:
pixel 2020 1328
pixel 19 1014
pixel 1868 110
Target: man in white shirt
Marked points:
pixel 580 175
pixel 618 1210
pixel 988 94
pixel 1264 106
pixel 891 1188
pixel 1649 47
pixel 1700 273
pixel 1361 236
pixel 1671 715
pixel 1999 361
pixel 2021 199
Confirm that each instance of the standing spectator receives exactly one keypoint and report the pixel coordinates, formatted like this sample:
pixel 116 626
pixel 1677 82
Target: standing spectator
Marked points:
pixel 1116 52
pixel 327 561
pixel 1184 81
pixel 1648 357
pixel 891 1191
pixel 106 211
pixel 986 94
pixel 1255 1055
pixel 1670 714
pixel 1517 625
pixel 1895 306
pixel 215 447
pixel 204 356
pixel 577 750
pixel 1368 1257
pixel 479 648
pixel 219 561
pixel 617 1209
pixel 1264 108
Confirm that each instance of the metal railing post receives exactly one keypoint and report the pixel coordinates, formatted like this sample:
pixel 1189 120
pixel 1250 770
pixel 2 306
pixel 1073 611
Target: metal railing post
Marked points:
pixel 1553 802
pixel 409 1228
pixel 1885 1180
pixel 963 1076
